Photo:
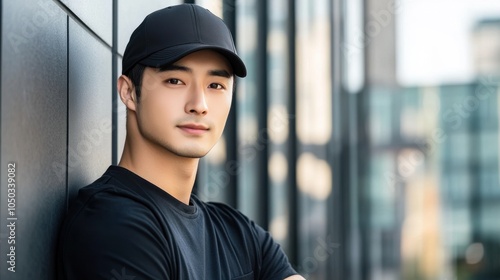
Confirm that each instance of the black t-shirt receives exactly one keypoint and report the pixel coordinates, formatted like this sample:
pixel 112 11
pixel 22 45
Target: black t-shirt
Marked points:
pixel 123 227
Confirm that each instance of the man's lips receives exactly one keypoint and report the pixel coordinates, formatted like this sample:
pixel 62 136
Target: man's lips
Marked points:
pixel 194 128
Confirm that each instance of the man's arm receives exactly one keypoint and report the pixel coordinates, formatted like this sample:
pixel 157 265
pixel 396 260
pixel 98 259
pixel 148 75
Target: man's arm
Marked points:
pixel 275 263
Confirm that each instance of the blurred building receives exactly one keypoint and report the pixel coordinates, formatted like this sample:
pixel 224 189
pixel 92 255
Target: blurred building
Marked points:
pixel 486 44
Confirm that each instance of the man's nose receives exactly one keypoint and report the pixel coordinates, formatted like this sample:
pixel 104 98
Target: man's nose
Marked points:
pixel 197 103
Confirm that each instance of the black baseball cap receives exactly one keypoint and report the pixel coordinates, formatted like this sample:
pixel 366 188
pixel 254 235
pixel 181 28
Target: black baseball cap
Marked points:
pixel 169 34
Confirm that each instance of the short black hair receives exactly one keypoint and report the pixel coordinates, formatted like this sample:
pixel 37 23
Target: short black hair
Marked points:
pixel 135 75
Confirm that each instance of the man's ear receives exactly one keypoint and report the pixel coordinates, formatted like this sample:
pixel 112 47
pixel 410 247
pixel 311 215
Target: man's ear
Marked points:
pixel 126 91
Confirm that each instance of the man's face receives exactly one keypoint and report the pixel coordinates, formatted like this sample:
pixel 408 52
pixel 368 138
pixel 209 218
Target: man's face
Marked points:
pixel 183 108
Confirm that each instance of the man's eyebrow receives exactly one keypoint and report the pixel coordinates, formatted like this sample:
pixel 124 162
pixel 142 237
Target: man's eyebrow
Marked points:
pixel 174 67
pixel 220 73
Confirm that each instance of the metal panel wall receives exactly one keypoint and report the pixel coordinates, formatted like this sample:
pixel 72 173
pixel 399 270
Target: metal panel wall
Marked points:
pixel 89 112
pixel 95 14
pixel 56 124
pixel 34 135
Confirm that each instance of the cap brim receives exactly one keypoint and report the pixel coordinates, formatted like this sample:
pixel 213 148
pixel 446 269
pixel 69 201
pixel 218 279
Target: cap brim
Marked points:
pixel 172 54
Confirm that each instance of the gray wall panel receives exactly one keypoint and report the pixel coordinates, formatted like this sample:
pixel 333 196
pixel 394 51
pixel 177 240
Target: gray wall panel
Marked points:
pixel 34 129
pixel 90 123
pixel 96 14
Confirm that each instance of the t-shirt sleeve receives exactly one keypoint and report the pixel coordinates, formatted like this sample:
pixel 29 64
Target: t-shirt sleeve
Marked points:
pixel 106 239
pixel 275 264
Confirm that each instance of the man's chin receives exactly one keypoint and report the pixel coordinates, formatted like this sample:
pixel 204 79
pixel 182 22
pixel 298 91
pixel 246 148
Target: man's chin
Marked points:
pixel 186 150
pixel 191 154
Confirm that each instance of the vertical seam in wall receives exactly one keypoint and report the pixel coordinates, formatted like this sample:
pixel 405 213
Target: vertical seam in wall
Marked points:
pixel 114 94
pixel 67 113
pixel 80 22
pixel 1 36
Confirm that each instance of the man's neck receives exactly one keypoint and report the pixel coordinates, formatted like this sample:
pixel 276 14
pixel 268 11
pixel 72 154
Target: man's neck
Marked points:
pixel 171 173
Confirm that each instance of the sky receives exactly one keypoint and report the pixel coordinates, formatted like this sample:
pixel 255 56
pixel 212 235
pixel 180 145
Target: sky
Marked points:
pixel 433 39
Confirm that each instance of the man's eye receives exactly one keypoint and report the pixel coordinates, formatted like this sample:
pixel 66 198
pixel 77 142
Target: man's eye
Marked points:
pixel 173 81
pixel 215 86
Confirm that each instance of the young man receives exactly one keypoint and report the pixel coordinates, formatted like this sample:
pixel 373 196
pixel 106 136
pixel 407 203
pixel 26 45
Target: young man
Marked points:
pixel 140 220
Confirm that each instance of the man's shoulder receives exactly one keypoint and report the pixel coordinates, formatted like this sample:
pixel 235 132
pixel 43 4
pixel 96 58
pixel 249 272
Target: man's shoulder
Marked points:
pixel 230 217
pixel 106 194
pixel 105 226
pixel 104 203
pixel 224 210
